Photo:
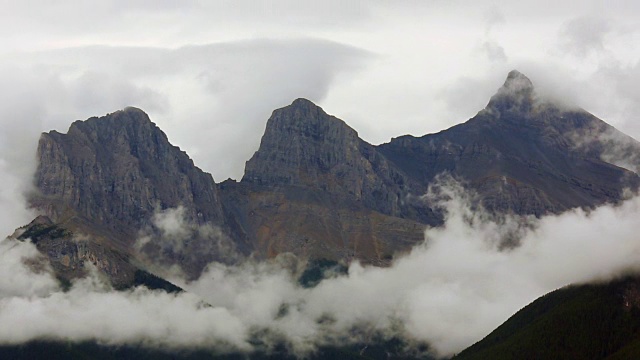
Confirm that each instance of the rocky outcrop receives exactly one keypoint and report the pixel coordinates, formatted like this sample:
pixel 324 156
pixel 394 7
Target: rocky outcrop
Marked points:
pixel 314 188
pixel 72 256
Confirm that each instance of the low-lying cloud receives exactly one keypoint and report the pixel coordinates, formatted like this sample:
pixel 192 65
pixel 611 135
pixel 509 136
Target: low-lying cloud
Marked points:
pixel 449 291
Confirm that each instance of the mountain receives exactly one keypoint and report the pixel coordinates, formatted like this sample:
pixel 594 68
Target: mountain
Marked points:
pixel 108 176
pixel 522 154
pixel 593 321
pixel 115 195
pixel 314 188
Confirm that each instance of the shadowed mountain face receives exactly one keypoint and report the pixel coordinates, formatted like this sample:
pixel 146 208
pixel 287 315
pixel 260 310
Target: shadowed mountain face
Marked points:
pixel 599 321
pixel 315 189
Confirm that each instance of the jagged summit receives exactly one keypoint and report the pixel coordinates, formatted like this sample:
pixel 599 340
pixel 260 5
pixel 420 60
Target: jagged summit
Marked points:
pixel 300 135
pixel 517 79
pixel 133 109
pixel 314 188
pixel 517 94
pixel 303 103
pixel 302 110
pixel 115 168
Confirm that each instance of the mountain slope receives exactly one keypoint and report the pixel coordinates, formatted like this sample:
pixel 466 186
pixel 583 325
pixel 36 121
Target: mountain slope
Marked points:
pixel 598 321
pixel 521 154
pixel 314 188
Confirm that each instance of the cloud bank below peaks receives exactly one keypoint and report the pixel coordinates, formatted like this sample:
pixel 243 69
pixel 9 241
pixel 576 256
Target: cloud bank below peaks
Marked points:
pixel 448 292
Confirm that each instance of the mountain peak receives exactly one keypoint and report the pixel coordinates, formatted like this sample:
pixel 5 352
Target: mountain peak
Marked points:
pixel 300 135
pixel 517 80
pixel 516 94
pixel 304 103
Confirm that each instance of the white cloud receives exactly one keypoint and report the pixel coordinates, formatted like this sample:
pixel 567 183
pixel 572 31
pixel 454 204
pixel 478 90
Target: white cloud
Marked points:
pixel 25 272
pixel 449 292
pixel 584 35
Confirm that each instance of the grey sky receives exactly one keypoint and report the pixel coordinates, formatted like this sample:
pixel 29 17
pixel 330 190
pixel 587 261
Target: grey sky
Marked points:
pixel 210 73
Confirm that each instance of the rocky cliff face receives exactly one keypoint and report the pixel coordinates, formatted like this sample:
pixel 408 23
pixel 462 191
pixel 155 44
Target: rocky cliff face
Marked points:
pixel 315 189
pixel 522 154
pixel 119 169
pixel 108 176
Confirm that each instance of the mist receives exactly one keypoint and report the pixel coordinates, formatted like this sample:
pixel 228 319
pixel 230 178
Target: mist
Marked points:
pixel 448 292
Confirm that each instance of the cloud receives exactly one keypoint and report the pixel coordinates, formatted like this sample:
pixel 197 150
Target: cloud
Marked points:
pixel 173 244
pixel 494 51
pixel 462 97
pixel 448 292
pixel 163 23
pixel 493 17
pixel 585 35
pixel 172 223
pixel 609 144
pixel 25 272
pixel 137 317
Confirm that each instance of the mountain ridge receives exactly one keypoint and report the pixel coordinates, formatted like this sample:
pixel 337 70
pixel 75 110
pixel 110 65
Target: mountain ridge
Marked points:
pixel 117 196
pixel 314 188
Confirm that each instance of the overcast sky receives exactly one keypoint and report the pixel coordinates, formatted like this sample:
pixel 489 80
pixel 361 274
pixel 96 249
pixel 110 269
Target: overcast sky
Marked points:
pixel 209 73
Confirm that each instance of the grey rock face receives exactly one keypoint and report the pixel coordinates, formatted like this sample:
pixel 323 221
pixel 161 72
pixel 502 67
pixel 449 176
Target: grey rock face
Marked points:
pixel 305 147
pixel 118 169
pixel 315 189
pixel 108 176
pixel 523 154
pixel 70 256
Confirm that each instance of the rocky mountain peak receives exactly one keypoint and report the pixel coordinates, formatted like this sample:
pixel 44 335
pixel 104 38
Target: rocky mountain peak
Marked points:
pixel 302 103
pixel 301 142
pixel 517 94
pixel 117 170
pixel 516 79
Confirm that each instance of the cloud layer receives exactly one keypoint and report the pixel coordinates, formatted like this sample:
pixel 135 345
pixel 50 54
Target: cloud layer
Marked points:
pixel 448 292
